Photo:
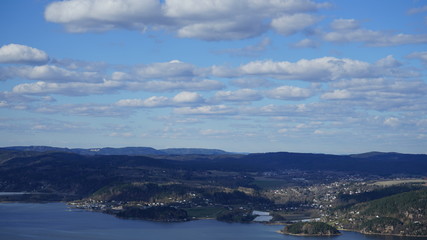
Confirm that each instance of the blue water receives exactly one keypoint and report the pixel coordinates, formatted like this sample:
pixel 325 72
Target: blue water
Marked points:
pixel 56 221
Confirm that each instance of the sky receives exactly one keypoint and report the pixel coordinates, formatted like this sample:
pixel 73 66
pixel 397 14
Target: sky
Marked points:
pixel 239 75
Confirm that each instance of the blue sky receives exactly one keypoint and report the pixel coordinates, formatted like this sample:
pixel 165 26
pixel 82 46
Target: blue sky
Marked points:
pixel 243 75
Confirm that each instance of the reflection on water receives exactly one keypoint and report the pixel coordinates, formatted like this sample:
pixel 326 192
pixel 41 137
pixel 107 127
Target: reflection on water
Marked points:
pixel 56 221
pixel 12 193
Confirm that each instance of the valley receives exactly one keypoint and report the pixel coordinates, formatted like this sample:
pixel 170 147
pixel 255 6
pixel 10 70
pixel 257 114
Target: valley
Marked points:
pixel 343 191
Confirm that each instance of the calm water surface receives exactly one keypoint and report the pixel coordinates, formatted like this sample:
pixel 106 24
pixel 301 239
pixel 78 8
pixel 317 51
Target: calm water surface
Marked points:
pixel 56 221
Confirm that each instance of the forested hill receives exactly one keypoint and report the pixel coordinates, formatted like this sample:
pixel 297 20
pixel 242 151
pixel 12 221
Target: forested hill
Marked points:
pixel 198 159
pixel 379 163
pixel 399 214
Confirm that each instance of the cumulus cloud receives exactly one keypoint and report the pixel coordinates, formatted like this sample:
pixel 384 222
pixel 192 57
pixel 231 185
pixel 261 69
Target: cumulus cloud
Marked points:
pixel 202 19
pixel 238 95
pixel 348 30
pixel 89 109
pixel 3 103
pixel 214 132
pixel 324 69
pixel 154 101
pixel 392 122
pixel 289 93
pixel 187 97
pixel 16 53
pixel 337 94
pixel 345 24
pixel 206 110
pixel 53 73
pixel 419 55
pixel 173 70
pixel 103 15
pixel 182 98
pixel 251 82
pixel 111 86
pixel 121 134
pixel 223 30
pixel 291 24
pixel 320 69
pixel 73 79
pixel 69 89
pixel 380 94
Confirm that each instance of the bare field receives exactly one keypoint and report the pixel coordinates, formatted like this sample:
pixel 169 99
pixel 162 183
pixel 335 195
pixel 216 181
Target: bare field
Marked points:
pixel 400 181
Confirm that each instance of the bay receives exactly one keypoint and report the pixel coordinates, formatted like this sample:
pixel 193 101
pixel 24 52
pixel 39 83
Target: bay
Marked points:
pixel 56 221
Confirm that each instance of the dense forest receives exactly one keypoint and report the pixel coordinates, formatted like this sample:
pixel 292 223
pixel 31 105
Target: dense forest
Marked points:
pixel 311 228
pixel 401 214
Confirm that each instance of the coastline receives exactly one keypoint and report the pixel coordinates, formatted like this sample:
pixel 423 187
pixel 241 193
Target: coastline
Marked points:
pixel 381 234
pixel 308 235
pixel 207 218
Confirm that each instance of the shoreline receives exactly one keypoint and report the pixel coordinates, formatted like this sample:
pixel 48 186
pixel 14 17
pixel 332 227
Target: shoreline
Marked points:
pixel 381 234
pixel 308 235
pixel 203 218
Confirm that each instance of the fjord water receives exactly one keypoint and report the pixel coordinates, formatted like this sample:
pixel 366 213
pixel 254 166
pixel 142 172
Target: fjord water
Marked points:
pixel 56 221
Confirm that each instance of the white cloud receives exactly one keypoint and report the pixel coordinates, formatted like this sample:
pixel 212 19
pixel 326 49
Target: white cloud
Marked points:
pixel 419 55
pixel 223 19
pixel 319 69
pixel 16 53
pixel 173 70
pixel 392 122
pixel 325 69
pixel 203 19
pixel 222 30
pixel 345 24
pixel 188 97
pixel 53 73
pixel 238 95
pixel 251 82
pixel 121 134
pixel 205 110
pixel 348 30
pixel 291 24
pixel 154 101
pixel 3 104
pixel 69 89
pixel 94 110
pixel 213 132
pixel 380 94
pixel 289 93
pixel 103 15
pixel 336 94
pixel 180 99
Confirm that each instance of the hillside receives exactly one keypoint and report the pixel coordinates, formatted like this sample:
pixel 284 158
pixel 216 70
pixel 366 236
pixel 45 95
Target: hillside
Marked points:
pixel 76 174
pixel 399 214
pixel 310 229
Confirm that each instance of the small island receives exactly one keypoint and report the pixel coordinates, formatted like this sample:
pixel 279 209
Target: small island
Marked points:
pixel 310 229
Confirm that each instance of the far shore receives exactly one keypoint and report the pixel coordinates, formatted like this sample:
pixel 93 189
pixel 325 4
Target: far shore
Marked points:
pixel 308 235
pixel 381 234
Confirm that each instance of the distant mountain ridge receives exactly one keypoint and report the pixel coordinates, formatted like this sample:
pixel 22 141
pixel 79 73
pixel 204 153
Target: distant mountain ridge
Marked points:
pixel 129 151
pixel 376 163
